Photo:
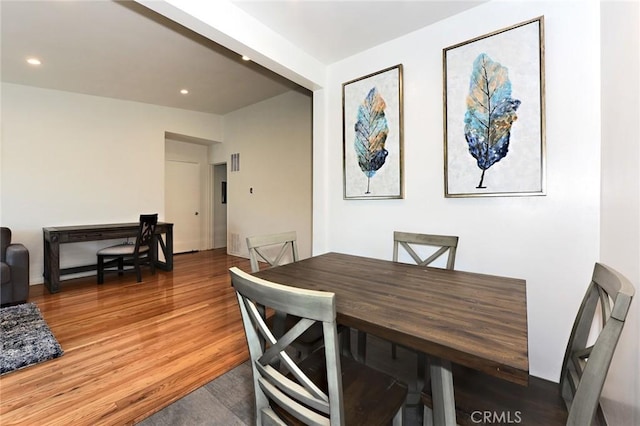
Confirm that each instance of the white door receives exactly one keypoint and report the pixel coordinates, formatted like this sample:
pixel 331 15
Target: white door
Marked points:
pixel 182 204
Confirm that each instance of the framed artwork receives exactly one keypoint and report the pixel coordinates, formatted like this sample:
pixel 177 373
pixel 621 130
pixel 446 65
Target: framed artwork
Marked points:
pixel 494 130
pixel 372 135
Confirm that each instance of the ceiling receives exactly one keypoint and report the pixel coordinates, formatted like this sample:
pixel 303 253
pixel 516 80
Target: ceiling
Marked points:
pixel 123 50
pixel 333 30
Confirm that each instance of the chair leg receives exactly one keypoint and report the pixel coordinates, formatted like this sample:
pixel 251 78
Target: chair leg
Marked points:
pixel 393 351
pixel 121 266
pixel 427 416
pixel 100 270
pixel 398 418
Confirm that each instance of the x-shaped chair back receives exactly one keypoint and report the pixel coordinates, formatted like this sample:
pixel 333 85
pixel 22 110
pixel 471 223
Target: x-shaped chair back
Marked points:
pixel 408 240
pixel 287 385
pixel 146 230
pixel 585 368
pixel 273 249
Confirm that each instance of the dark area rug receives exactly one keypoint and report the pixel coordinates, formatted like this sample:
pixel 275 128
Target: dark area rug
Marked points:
pixel 229 399
pixel 25 338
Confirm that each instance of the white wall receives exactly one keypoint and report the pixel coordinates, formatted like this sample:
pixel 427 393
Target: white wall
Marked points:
pixel 273 139
pixel 551 241
pixel 71 159
pixel 620 238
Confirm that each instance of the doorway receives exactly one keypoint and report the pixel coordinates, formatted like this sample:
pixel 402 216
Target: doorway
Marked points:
pixel 219 205
pixel 182 192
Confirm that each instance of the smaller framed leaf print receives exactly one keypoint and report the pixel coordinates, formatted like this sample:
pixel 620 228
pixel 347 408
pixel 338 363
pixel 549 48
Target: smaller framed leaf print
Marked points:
pixel 372 135
pixel 494 131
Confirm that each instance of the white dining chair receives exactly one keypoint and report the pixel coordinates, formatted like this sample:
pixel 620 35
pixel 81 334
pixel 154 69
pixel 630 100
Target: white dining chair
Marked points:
pixel 323 389
pixel 442 244
pixel 575 400
pixel 272 249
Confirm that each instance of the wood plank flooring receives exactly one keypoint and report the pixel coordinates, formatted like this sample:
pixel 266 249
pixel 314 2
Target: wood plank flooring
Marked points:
pixel 131 348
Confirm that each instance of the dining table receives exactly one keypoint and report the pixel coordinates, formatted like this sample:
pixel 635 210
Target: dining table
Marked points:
pixel 471 319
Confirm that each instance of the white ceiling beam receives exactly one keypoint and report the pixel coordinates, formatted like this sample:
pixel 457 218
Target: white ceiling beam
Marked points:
pixel 231 27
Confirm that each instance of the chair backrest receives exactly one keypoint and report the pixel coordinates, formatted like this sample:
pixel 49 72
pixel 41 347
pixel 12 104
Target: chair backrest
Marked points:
pixel 408 240
pixel 273 249
pixel 585 368
pixel 146 230
pixel 287 386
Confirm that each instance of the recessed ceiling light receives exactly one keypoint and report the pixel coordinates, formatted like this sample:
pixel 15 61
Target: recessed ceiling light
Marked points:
pixel 245 58
pixel 184 91
pixel 33 61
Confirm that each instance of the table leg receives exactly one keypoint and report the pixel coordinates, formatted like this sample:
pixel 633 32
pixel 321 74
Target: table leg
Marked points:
pixel 345 342
pixel 157 239
pixel 444 410
pixel 362 346
pixel 52 264
pixel 47 268
pixel 167 251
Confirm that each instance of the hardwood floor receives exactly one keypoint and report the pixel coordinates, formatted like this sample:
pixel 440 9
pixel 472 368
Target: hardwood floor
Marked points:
pixel 130 348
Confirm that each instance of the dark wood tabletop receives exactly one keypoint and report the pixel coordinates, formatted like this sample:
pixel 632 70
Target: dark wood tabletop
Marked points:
pixel 475 320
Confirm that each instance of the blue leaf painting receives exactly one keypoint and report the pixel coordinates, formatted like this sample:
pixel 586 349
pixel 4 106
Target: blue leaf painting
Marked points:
pixel 490 113
pixel 371 134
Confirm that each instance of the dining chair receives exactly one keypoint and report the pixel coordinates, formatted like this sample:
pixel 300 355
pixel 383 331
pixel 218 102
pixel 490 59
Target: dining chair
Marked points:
pixel 274 250
pixel 408 241
pixel 435 246
pixel 324 388
pixel 141 252
pixel 481 398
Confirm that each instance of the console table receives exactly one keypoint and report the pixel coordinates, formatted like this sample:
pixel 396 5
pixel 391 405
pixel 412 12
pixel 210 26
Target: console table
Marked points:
pixel 54 236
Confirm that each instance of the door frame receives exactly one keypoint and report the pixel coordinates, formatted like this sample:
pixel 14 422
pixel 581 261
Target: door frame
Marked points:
pixel 213 202
pixel 187 151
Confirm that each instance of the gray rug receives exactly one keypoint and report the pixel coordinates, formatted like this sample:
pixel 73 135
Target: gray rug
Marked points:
pixel 25 338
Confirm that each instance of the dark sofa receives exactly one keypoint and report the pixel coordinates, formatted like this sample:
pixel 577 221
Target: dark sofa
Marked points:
pixel 14 272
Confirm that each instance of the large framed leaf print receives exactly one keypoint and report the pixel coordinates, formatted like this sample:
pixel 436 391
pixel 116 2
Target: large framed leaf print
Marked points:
pixel 494 131
pixel 372 135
